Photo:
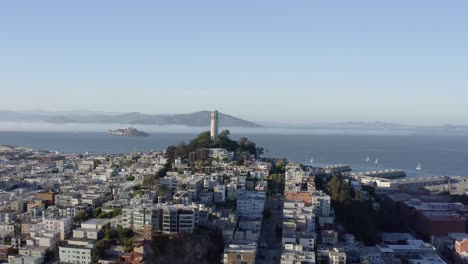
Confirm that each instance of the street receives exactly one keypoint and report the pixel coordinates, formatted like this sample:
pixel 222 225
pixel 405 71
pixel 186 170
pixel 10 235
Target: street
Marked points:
pixel 271 252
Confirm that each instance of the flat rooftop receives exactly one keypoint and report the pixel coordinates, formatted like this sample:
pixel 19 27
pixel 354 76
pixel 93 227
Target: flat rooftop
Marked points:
pixel 442 216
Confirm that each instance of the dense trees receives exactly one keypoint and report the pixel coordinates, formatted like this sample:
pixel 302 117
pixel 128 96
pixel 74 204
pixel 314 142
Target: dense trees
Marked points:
pixel 150 180
pixel 276 179
pixel 162 190
pixel 279 166
pixel 202 246
pixel 356 213
pixel 121 236
pixel 203 140
pixel 353 211
pixel 81 216
pixel 276 183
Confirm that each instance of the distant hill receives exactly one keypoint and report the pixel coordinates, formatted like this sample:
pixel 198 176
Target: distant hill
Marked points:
pixel 201 118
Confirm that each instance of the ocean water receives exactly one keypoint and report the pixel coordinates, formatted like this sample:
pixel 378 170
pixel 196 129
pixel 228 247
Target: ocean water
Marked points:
pixel 438 154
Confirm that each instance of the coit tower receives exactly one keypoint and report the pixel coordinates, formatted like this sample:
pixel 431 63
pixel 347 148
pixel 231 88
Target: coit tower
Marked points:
pixel 214 125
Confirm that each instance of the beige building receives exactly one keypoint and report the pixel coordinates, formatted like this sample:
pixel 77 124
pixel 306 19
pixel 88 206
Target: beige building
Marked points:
pixel 64 225
pixel 336 256
pixel 240 254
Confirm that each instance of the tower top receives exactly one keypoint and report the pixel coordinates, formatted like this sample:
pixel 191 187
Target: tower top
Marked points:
pixel 214 125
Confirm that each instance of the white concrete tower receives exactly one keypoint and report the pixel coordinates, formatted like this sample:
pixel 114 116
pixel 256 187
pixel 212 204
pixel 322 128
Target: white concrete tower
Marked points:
pixel 214 125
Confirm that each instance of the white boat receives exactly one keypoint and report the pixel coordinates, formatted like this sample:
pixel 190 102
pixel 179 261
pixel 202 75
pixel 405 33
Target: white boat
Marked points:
pixel 419 167
pixel 376 161
pixel 367 159
pixel 312 160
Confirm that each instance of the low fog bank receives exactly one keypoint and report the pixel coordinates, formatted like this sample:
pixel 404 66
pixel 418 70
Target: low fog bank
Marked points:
pixel 152 129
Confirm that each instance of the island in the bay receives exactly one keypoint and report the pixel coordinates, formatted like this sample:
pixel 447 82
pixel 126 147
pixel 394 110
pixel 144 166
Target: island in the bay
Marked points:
pixel 128 132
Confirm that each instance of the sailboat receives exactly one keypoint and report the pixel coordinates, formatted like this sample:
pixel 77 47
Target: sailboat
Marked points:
pixel 367 159
pixel 376 161
pixel 312 160
pixel 419 167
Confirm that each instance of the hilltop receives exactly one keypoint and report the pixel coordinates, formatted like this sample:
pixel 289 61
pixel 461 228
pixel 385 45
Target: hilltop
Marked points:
pixel 201 118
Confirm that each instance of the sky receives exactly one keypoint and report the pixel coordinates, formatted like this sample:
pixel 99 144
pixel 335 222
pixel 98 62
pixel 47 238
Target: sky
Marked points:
pixel 266 61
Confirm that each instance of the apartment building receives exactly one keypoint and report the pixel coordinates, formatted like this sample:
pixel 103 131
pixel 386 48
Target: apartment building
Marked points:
pixel 76 251
pixel 321 203
pixel 64 225
pixel 161 217
pixel 250 204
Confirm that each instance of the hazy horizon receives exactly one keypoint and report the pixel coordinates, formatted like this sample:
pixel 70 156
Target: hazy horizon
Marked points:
pixel 264 61
pixel 279 124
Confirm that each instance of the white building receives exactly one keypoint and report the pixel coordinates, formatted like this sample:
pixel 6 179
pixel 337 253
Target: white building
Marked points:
pixel 321 203
pixel 231 191
pixel 220 154
pixel 44 238
pixel 95 223
pixel 162 217
pixel 293 254
pixel 336 256
pixel 250 204
pixel 76 251
pixel 219 193
pixel 28 255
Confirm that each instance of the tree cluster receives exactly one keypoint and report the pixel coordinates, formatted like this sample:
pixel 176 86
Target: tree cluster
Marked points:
pixel 279 166
pixel 199 247
pixel 353 211
pixel 131 178
pixel 358 215
pixel 120 236
pixel 153 180
pixel 82 216
pixel 276 183
pixel 203 140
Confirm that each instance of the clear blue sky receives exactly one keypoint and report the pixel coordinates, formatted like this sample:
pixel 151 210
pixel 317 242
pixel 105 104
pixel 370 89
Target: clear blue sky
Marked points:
pixel 286 61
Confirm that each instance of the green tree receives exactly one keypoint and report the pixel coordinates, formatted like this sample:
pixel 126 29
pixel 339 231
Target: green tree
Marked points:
pixel 116 212
pixel 199 165
pixel 260 151
pixel 163 171
pixel 128 163
pixel 170 152
pixel 128 244
pixel 96 212
pixel 97 162
pixel 339 190
pixel 81 216
pixel 102 215
pixel 123 233
pixel 162 190
pixel 276 183
pixel 353 211
pixel 280 166
pixel 131 178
